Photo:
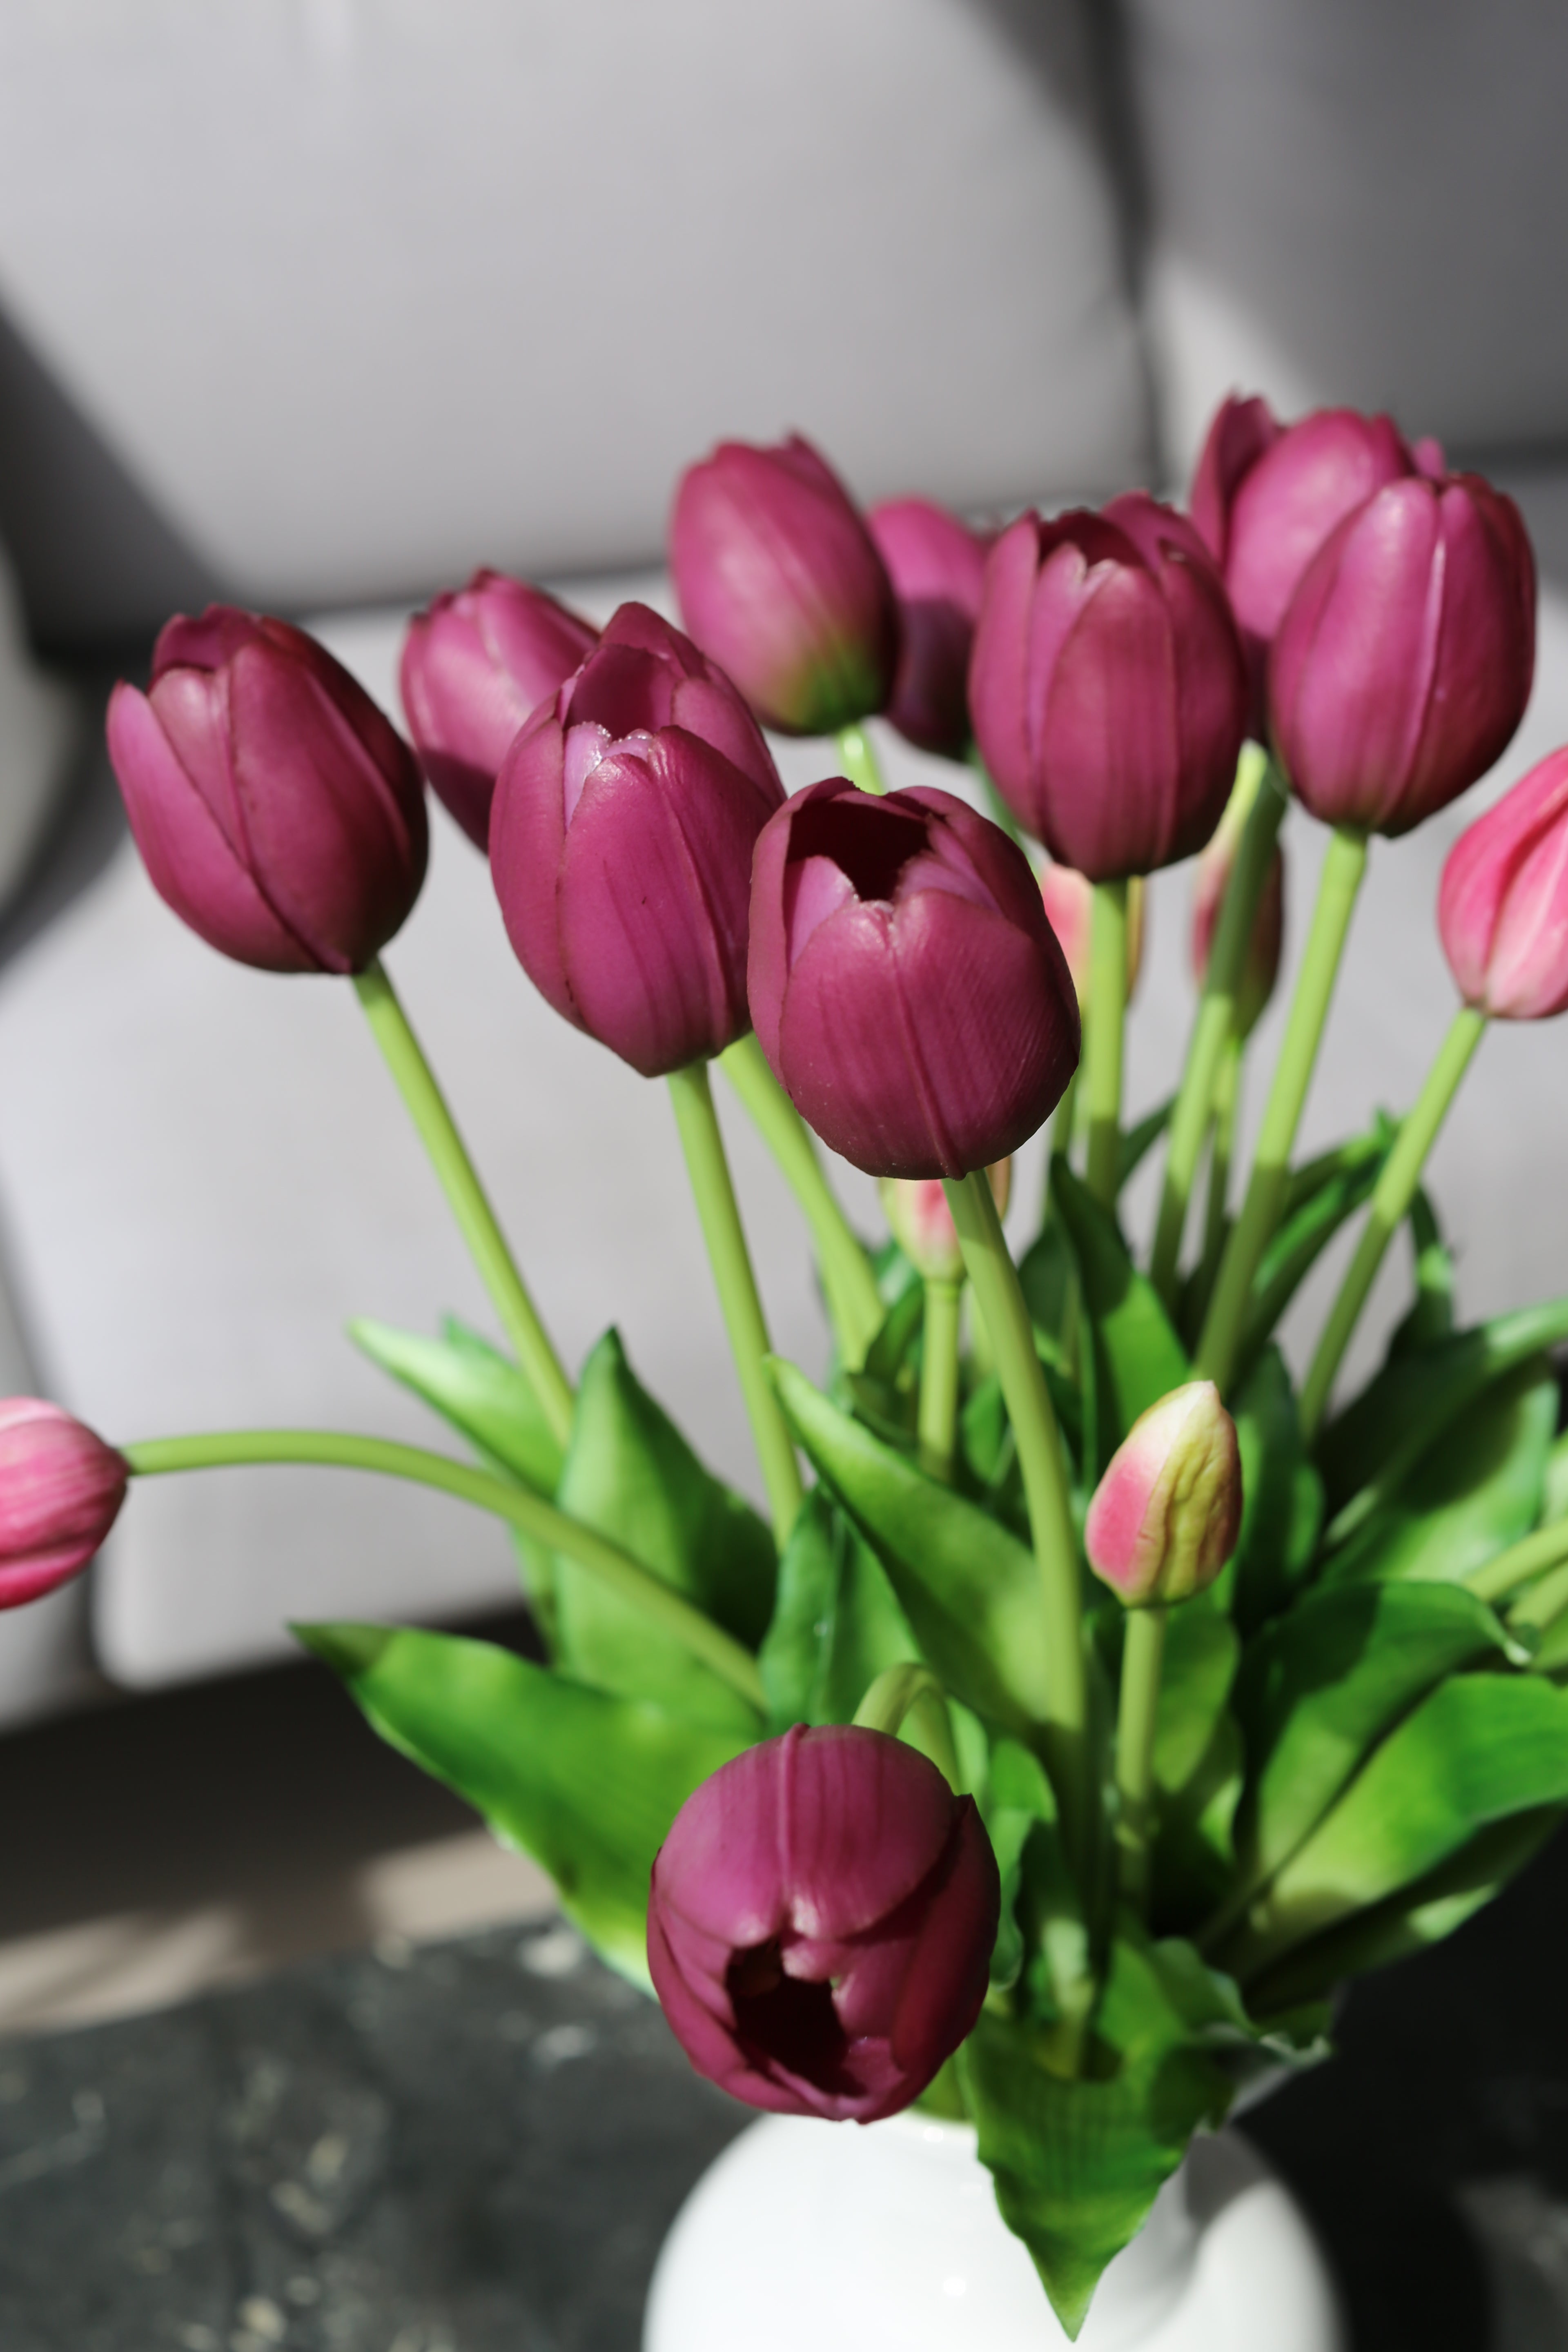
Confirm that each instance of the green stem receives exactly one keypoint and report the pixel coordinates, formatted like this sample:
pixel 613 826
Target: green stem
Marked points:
pixel 1540 1609
pixel 737 1288
pixel 1530 1556
pixel 854 1302
pixel 1142 1656
pixel 437 1132
pixel 1060 1144
pixel 1391 1201
pixel 1223 1325
pixel 939 1377
pixel 529 1512
pixel 1226 1096
pixel 858 758
pixel 1215 1021
pixel 1001 1304
pixel 1103 1047
pixel 913 1690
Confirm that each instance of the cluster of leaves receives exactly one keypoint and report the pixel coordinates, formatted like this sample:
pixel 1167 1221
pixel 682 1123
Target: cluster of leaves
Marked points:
pixel 1353 1750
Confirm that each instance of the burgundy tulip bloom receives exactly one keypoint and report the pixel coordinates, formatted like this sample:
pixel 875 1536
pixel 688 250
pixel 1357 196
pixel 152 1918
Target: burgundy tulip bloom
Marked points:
pixel 937 566
pixel 1107 685
pixel 60 1491
pixel 820 1924
pixel 620 838
pixel 906 986
pixel 275 810
pixel 1404 662
pixel 1502 909
pixel 479 662
pixel 780 583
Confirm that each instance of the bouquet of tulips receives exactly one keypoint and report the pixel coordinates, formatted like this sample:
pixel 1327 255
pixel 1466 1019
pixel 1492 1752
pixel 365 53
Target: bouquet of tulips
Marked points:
pixel 1093 1700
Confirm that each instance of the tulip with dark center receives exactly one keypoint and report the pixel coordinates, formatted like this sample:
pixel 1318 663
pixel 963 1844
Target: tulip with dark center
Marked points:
pixel 621 838
pixel 275 809
pixel 820 1924
pixel 474 667
pixel 60 1492
pixel 1502 909
pixel 937 566
pixel 905 984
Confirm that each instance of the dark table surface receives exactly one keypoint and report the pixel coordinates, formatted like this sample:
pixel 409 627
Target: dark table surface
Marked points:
pixel 477 2146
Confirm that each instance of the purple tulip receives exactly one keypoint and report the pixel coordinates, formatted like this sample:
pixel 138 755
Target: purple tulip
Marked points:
pixel 1502 908
pixel 620 838
pixel 937 566
pixel 60 1491
pixel 1164 1520
pixel 906 986
pixel 275 810
pixel 1404 662
pixel 1107 685
pixel 479 662
pixel 820 1924
pixel 780 583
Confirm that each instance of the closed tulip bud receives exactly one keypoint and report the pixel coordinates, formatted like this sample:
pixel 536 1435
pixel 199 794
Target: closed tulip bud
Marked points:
pixel 1502 909
pixel 1164 1519
pixel 937 566
pixel 474 667
pixel 60 1492
pixel 1211 880
pixel 905 984
pixel 820 1924
pixel 921 1223
pixel 1107 685
pixel 1405 661
pixel 275 809
pixel 1069 906
pixel 780 583
pixel 620 838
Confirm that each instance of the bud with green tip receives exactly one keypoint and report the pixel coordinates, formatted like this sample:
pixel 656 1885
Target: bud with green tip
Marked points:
pixel 1163 1520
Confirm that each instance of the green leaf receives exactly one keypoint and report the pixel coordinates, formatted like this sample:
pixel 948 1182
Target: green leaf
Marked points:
pixel 1431 1318
pixel 1197 1762
pixel 1138 1358
pixel 1135 1143
pixel 885 1391
pixel 631 1476
pixel 585 1783
pixel 1282 1497
pixel 1341 1185
pixel 971 1591
pixel 1045 1274
pixel 480 1392
pixel 837 1624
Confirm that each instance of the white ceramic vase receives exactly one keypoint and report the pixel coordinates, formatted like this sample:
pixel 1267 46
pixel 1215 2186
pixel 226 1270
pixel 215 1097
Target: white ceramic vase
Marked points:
pixel 850 2238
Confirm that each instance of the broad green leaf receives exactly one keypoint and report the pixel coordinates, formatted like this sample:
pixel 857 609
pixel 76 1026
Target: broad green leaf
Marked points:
pixel 1282 1497
pixel 1479 1749
pixel 1367 1449
pixel 585 1783
pixel 1138 1358
pixel 1135 1143
pixel 1554 1491
pixel 837 1624
pixel 630 1475
pixel 1197 1762
pixel 1473 1492
pixel 885 1391
pixel 1046 1273
pixel 971 1591
pixel 480 1392
pixel 1308 1228
pixel 1319 1688
pixel 1044 1936
pixel 1431 1318
pixel 1202 1649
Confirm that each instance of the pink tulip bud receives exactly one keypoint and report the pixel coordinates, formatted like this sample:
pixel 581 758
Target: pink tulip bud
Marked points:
pixel 820 1924
pixel 780 583
pixel 474 667
pixel 1404 662
pixel 1502 909
pixel 1163 1520
pixel 620 838
pixel 1070 908
pixel 921 1223
pixel 275 809
pixel 1107 685
pixel 905 984
pixel 937 566
pixel 60 1491
pixel 1211 880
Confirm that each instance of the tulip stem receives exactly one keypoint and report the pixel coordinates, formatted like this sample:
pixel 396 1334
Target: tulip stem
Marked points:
pixel 1226 1319
pixel 1530 1557
pixel 858 758
pixel 1142 1656
pixel 1540 1609
pixel 939 1376
pixel 448 1156
pixel 1222 1152
pixel 737 1286
pixel 1002 1309
pixel 518 1504
pixel 1102 1046
pixel 1216 1022
pixel 854 1302
pixel 1391 1201
pixel 910 1690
